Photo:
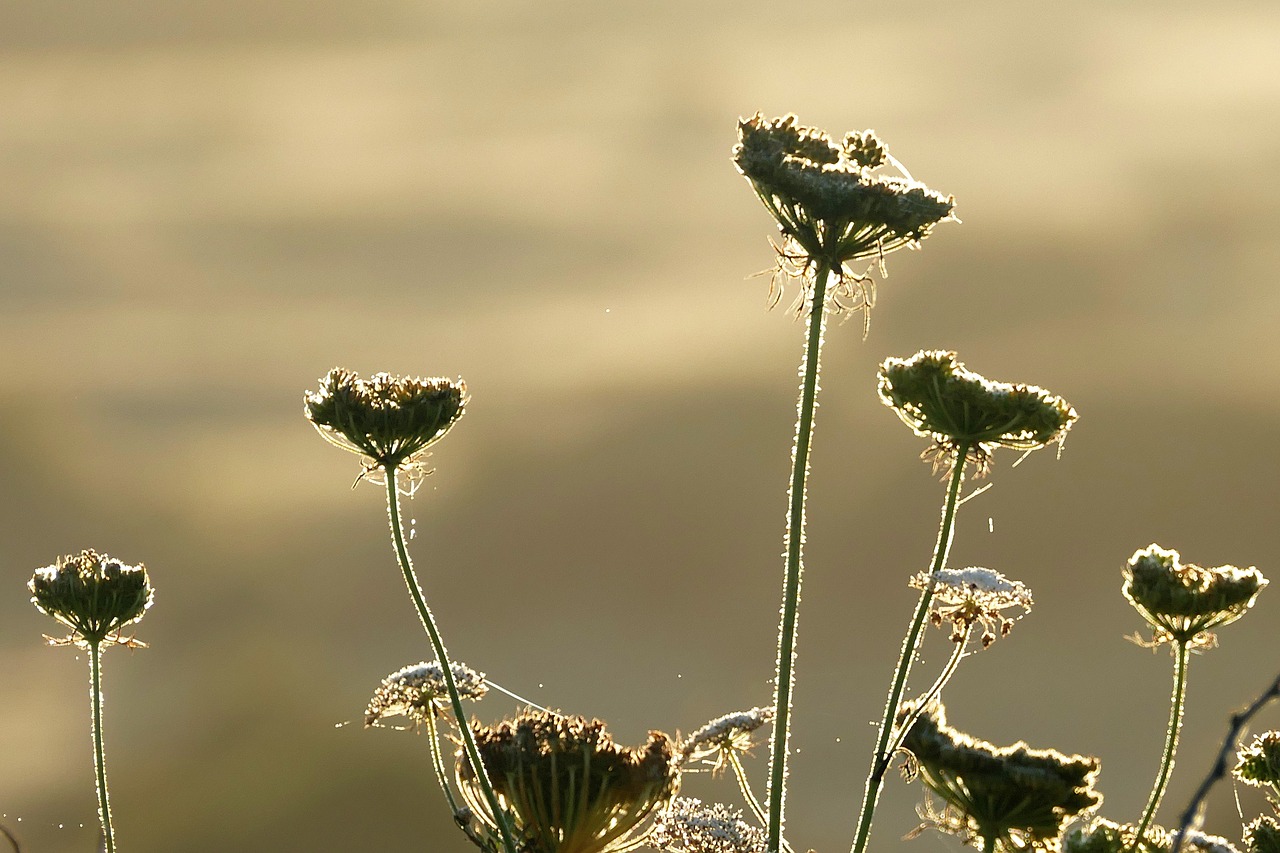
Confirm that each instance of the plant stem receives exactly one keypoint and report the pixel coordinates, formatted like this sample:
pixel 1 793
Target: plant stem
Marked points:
pixel 99 753
pixel 881 758
pixel 785 678
pixel 1177 702
pixel 437 761
pixel 442 657
pixel 740 773
pixel 947 671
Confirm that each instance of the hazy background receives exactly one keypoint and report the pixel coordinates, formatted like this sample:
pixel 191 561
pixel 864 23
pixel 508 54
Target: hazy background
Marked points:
pixel 206 205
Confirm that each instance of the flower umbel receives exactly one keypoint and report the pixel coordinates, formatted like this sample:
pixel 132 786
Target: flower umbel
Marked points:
pixel 1014 796
pixel 688 826
pixel 1262 835
pixel 1259 764
pixel 830 204
pixel 567 787
pixel 419 690
pixel 390 420
pixel 92 594
pixel 1184 602
pixel 731 733
pixel 942 400
pixel 965 597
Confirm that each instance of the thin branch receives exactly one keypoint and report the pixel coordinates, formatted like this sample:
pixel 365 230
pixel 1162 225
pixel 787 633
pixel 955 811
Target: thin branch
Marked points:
pixel 1219 771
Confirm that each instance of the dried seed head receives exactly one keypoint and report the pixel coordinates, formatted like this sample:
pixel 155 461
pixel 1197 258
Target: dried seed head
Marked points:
pixel 687 826
pixel 731 733
pixel 1016 795
pixel 1183 603
pixel 390 420
pixel 566 786
pixel 829 204
pixel 965 597
pixel 942 400
pixel 1262 836
pixel 92 594
pixel 1259 764
pixel 420 690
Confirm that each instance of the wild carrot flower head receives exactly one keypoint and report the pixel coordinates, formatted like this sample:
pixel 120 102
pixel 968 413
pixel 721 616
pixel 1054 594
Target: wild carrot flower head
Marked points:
pixel 1103 836
pixel 390 420
pixel 830 204
pixel 974 596
pixel 92 594
pixel 942 400
pixel 1183 603
pixel 1259 764
pixel 566 786
pixel 1016 795
pixel 419 690
pixel 1262 835
pixel 732 733
pixel 688 826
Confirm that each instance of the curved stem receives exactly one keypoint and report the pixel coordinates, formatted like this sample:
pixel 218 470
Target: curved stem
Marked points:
pixel 740 773
pixel 947 671
pixel 785 678
pixel 99 753
pixel 437 762
pixel 1177 703
pixel 881 758
pixel 442 657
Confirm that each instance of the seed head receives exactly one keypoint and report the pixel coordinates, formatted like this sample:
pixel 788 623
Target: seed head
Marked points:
pixel 1016 795
pixel 942 400
pixel 1259 764
pixel 419 690
pixel 92 594
pixel 566 786
pixel 687 826
pixel 1183 603
pixel 1262 835
pixel 830 205
pixel 965 597
pixel 731 733
pixel 390 420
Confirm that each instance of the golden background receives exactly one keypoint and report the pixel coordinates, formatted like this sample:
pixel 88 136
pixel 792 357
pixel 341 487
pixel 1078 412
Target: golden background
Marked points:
pixel 206 205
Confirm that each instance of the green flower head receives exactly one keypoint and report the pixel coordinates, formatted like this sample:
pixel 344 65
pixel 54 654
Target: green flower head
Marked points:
pixel 566 786
pixel 1015 796
pixel 92 594
pixel 830 204
pixel 1183 603
pixel 1259 764
pixel 1262 835
pixel 389 420
pixel 942 400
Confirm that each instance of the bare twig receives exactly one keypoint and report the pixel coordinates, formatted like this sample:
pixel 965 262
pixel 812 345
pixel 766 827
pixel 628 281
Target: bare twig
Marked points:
pixel 1219 771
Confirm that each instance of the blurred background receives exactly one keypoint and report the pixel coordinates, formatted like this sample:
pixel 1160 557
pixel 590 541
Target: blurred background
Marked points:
pixel 207 205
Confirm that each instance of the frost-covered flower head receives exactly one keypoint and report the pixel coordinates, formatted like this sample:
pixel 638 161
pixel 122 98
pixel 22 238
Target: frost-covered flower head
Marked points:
pixel 1259 763
pixel 965 597
pixel 1262 835
pixel 389 420
pixel 1015 795
pixel 688 826
pixel 831 204
pixel 1184 602
pixel 942 400
pixel 566 786
pixel 420 690
pixel 731 733
pixel 92 594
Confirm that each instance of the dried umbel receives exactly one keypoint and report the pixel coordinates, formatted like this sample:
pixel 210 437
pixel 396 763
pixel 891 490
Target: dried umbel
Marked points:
pixel 1015 796
pixel 830 203
pixel 730 734
pixel 1262 835
pixel 688 826
pixel 566 786
pixel 419 691
pixel 1184 602
pixel 94 595
pixel 974 596
pixel 942 400
pixel 390 420
pixel 1104 836
pixel 1259 763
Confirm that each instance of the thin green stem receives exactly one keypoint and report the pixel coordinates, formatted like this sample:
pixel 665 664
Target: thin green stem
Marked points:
pixel 910 646
pixel 785 672
pixel 749 796
pixel 99 753
pixel 947 671
pixel 988 844
pixel 442 657
pixel 437 761
pixel 1177 703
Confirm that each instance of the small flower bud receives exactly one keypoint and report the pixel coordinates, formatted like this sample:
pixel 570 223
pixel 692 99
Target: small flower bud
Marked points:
pixel 730 733
pixel 92 594
pixel 389 420
pixel 420 690
pixel 1259 765
pixel 1184 602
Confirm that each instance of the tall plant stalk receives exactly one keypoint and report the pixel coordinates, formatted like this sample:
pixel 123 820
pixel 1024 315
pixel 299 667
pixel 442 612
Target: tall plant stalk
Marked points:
pixel 1177 704
pixel 910 646
pixel 785 672
pixel 437 645
pixel 99 753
